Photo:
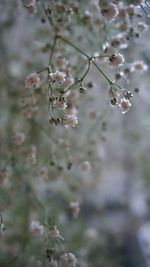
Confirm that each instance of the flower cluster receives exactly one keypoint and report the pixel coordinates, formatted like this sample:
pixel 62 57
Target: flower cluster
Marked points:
pixel 32 80
pixel 79 57
pixel 61 82
pixel 109 10
pixel 120 96
pixel 30 5
pixel 68 260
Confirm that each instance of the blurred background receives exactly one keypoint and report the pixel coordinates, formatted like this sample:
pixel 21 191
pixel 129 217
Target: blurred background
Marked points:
pixel 92 181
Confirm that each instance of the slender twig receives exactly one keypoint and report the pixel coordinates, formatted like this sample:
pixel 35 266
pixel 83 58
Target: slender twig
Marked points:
pixel 78 81
pixel 100 70
pixel 119 86
pixel 52 50
pixel 46 68
pixel 45 11
pixel 144 10
pixel 74 46
pixel 87 56
pixel 100 56
pixel 50 91
pixel 88 68
pixel 81 79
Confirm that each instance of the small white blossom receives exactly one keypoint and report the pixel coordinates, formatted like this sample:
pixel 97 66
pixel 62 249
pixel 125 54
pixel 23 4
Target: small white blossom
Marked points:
pixel 53 263
pixel 36 227
pixel 139 66
pixel 68 260
pixel 119 41
pixel 125 105
pixel 142 27
pixel 70 120
pixel 60 104
pixel 109 11
pixel 27 113
pixel 32 155
pixel 19 138
pixel 43 172
pixel 116 60
pixel 74 208
pixel 85 166
pixel 54 232
pixel 29 3
pixel 58 78
pixel 32 80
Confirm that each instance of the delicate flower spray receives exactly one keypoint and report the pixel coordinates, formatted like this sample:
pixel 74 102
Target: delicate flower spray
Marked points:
pixel 52 167
pixel 60 83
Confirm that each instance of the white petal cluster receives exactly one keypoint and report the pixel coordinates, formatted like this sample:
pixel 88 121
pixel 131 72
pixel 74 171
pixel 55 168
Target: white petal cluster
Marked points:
pixel 32 80
pixel 109 10
pixel 68 260
pixel 125 105
pixel 70 120
pixel 36 227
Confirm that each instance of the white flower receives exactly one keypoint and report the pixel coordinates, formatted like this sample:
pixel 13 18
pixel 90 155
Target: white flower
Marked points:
pixel 142 27
pixel 36 227
pixel 74 208
pixel 139 66
pixel 29 3
pixel 109 11
pixel 27 112
pixel 68 260
pixel 54 232
pixel 116 60
pixel 43 172
pixel 70 120
pixel 19 138
pixel 53 263
pixel 58 77
pixel 32 155
pixel 119 41
pixel 72 111
pixel 125 105
pixel 85 166
pixel 32 80
pixel 60 104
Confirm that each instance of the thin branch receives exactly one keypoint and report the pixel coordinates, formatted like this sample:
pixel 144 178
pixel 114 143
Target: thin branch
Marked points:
pixel 81 79
pixel 87 56
pixel 74 46
pixel 46 68
pixel 99 69
pixel 52 50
